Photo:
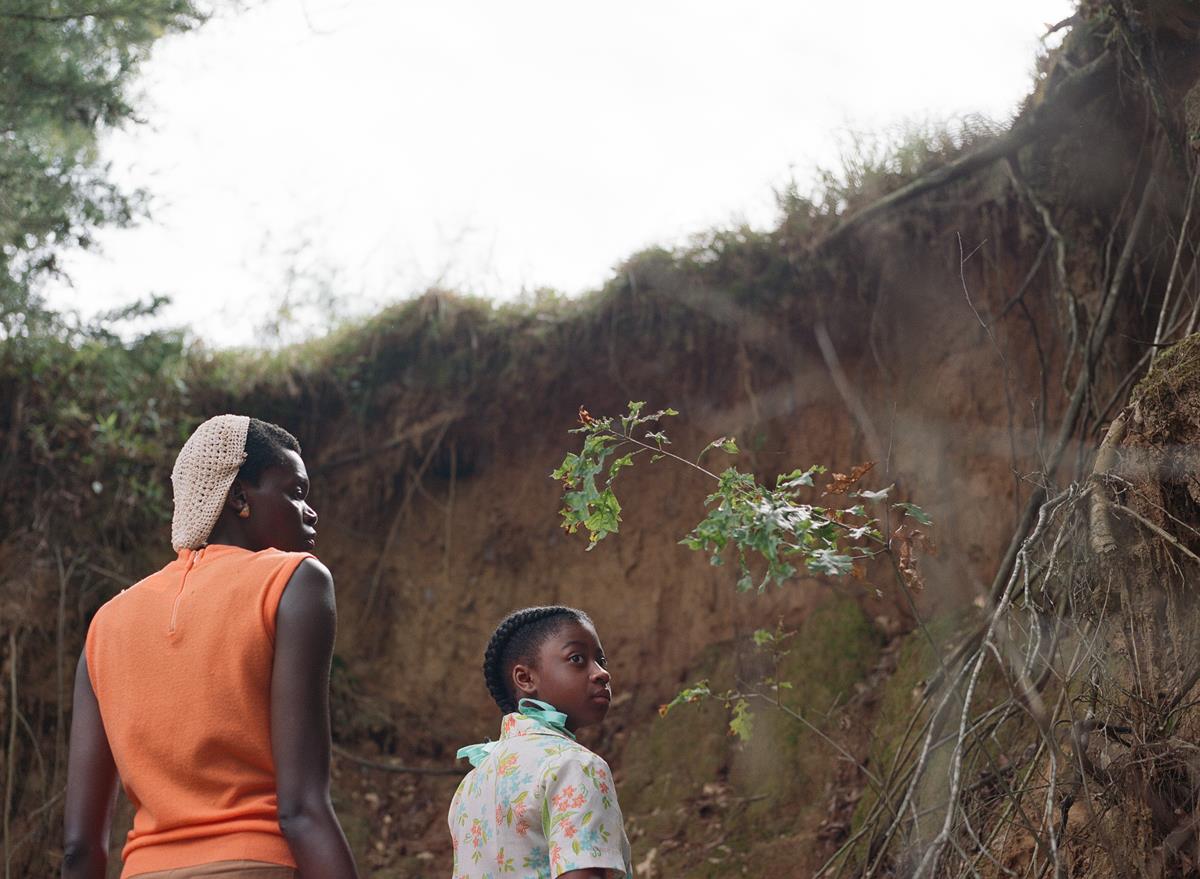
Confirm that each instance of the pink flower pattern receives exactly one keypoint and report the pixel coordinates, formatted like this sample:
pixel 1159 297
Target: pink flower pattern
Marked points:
pixel 538 806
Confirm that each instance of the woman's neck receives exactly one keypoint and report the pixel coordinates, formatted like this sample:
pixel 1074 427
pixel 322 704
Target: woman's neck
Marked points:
pixel 229 535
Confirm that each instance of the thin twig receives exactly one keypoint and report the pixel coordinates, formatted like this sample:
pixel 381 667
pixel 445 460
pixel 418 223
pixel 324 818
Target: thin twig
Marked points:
pixel 450 510
pixel 855 406
pixel 369 604
pixel 12 751
pixel 1187 216
pixel 1165 535
pixel 392 767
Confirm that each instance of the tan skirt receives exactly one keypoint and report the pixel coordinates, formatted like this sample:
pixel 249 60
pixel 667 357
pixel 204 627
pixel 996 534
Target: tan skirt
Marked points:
pixel 224 870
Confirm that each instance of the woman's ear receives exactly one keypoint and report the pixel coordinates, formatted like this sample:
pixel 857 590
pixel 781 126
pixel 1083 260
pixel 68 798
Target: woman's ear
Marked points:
pixel 524 678
pixel 237 500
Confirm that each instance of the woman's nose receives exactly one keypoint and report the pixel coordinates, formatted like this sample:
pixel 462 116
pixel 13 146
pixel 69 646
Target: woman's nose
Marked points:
pixel 310 515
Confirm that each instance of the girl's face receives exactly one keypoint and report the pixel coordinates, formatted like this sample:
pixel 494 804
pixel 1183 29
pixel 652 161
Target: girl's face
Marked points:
pixel 570 673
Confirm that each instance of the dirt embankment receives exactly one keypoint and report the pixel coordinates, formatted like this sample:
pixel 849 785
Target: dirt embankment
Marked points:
pixel 953 413
pixel 938 342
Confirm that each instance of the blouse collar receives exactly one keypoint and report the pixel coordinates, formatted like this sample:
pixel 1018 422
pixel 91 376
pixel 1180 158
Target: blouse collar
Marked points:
pixel 532 717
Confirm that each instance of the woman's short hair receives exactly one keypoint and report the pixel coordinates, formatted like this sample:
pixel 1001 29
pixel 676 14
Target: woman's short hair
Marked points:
pixel 265 447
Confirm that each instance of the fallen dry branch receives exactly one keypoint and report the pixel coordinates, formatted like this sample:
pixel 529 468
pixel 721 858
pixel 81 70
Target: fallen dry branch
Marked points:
pixel 392 767
pixel 1106 458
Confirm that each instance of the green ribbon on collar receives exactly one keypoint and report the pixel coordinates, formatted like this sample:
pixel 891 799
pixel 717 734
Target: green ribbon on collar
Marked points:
pixel 543 713
pixel 476 753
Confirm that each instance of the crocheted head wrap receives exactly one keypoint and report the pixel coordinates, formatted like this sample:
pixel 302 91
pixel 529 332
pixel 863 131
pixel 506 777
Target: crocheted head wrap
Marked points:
pixel 205 469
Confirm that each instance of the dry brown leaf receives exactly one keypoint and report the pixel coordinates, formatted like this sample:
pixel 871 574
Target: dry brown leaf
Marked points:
pixel 840 483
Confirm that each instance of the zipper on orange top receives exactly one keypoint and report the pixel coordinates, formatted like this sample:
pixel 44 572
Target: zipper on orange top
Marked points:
pixel 182 583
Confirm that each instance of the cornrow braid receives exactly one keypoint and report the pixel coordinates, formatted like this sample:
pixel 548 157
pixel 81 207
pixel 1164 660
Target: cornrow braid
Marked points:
pixel 517 639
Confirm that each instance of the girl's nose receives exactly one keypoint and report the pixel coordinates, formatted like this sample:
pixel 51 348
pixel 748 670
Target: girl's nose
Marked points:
pixel 310 515
pixel 601 675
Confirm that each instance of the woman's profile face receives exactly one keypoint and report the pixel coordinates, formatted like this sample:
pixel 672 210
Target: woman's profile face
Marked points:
pixel 280 515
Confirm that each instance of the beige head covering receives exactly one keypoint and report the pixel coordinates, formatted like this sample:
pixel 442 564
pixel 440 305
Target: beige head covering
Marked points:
pixel 203 473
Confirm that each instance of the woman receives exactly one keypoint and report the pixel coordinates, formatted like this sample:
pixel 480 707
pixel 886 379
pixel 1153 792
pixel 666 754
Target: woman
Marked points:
pixel 204 688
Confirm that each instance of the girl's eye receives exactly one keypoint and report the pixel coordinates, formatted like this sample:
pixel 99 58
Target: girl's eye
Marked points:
pixel 576 658
pixel 602 661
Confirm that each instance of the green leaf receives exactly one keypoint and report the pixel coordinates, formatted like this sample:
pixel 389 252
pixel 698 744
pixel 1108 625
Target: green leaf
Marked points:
pixel 567 467
pixel 618 465
pixel 742 722
pixel 696 692
pixel 724 443
pixel 604 518
pixel 875 495
pixel 914 511
pixel 797 478
pixel 830 562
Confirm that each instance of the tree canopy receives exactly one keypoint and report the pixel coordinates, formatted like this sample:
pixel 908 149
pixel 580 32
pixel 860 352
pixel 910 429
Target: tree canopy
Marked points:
pixel 67 75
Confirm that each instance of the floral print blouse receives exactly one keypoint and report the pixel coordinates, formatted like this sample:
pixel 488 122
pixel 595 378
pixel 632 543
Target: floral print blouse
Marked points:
pixel 539 805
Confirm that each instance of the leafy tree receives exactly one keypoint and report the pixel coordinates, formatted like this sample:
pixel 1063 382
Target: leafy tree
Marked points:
pixel 67 69
pixel 773 529
pixel 83 415
pixel 771 525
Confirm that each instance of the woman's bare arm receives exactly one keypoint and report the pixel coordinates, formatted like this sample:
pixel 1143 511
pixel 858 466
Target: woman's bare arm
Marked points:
pixel 305 624
pixel 91 786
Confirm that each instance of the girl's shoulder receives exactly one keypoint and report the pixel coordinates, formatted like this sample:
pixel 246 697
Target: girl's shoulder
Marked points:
pixel 572 758
pixel 540 753
pixel 550 748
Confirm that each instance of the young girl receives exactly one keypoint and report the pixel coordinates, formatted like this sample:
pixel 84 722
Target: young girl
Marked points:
pixel 538 804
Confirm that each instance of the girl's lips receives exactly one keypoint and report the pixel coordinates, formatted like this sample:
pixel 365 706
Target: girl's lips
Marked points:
pixel 603 696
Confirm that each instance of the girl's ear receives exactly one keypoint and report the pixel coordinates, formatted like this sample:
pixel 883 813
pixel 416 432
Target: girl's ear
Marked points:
pixel 524 679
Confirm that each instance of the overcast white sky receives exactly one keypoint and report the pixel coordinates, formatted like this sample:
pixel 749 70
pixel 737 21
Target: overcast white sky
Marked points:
pixel 387 145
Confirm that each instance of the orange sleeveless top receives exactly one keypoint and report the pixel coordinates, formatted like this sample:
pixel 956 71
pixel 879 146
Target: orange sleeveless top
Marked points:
pixel 181 667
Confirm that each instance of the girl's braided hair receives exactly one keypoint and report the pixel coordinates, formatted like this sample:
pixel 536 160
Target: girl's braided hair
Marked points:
pixel 517 639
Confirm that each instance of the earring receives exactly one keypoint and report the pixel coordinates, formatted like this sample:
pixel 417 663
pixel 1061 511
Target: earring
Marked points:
pixel 244 512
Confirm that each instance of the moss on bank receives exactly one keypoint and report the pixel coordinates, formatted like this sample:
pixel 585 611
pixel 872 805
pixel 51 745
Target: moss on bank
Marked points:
pixel 1162 399
pixel 694 788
